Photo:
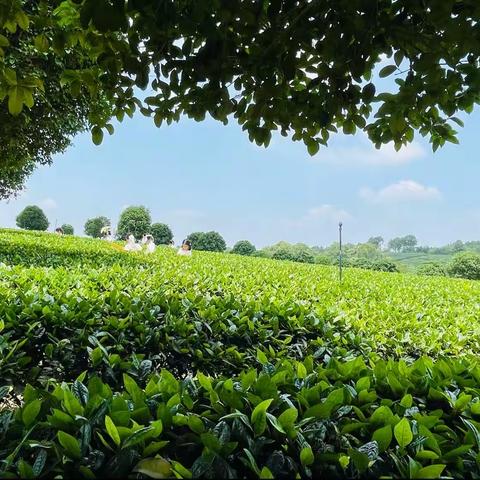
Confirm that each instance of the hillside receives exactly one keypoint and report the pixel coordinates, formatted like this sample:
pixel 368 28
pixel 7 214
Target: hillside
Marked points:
pixel 226 366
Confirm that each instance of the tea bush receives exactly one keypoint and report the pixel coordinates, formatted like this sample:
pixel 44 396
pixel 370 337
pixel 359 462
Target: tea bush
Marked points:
pixel 223 366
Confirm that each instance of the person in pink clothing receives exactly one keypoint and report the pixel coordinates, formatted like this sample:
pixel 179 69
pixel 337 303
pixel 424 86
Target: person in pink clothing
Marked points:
pixel 186 248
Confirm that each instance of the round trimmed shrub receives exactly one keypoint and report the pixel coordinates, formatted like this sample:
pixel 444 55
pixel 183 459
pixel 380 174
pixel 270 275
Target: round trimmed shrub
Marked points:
pixel 244 247
pixel 32 218
pixel 465 265
pixel 67 229
pixel 162 234
pixel 134 220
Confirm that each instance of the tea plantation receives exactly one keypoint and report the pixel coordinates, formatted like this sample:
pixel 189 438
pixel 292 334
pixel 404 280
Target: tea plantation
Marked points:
pixel 116 364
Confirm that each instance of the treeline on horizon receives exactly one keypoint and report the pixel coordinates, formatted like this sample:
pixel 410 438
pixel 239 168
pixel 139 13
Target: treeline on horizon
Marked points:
pixel 374 254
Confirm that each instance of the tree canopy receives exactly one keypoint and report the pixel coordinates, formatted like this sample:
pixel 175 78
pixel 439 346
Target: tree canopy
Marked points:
pixel 134 220
pixel 93 226
pixel 38 117
pixel 162 234
pixel 303 67
pixel 32 218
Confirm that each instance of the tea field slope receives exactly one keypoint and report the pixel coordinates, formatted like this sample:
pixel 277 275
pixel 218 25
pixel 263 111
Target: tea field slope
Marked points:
pixel 226 366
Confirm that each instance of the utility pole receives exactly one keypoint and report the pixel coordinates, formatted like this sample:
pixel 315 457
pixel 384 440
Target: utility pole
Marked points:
pixel 340 255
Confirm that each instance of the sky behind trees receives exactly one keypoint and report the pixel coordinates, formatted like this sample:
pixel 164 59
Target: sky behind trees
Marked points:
pixel 204 176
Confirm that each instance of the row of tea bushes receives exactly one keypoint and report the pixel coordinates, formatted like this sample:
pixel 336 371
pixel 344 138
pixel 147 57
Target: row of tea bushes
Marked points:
pixel 348 420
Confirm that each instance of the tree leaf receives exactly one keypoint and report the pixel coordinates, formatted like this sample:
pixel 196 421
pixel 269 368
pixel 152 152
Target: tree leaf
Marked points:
pixel 386 71
pixel 97 135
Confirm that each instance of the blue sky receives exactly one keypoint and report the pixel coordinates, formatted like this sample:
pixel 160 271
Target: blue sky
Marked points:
pixel 204 176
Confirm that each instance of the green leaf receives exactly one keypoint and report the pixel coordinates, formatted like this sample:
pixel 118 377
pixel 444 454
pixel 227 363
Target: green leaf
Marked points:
pixel 31 411
pixel 266 473
pixel 112 430
pixel 157 467
pixel 4 41
pixel 97 135
pixel 70 444
pixel 261 357
pixel 386 71
pixel 324 410
pixel 260 410
pixel 15 100
pixel 306 456
pixel 383 436
pixel 403 433
pixel 195 424
pixel 136 437
pixel 288 417
pixel 432 471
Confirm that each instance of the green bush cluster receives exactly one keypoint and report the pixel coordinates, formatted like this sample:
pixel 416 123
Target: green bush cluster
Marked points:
pixel 222 366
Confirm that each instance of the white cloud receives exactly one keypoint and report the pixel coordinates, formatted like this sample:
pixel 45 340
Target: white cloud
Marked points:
pixel 402 191
pixel 48 203
pixel 367 155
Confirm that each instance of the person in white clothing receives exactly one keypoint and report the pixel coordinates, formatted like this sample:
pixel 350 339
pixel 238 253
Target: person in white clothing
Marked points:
pixel 149 244
pixel 186 248
pixel 132 245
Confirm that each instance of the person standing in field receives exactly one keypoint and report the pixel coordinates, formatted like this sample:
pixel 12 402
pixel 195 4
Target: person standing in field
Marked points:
pixel 59 231
pixel 171 244
pixel 132 245
pixel 186 248
pixel 149 244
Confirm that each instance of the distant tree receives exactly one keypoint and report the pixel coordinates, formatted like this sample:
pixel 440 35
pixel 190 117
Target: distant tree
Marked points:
pixel 162 235
pixel 93 226
pixel 403 244
pixel 196 240
pixel 67 229
pixel 32 218
pixel 243 247
pixel 465 265
pixel 208 241
pixel 377 241
pixel 409 243
pixel 458 246
pixel 395 244
pixel 134 220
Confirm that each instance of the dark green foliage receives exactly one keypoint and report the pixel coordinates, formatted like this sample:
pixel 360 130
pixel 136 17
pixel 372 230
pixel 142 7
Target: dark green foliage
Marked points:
pixel 283 254
pixel 228 367
pixel 134 220
pixel 162 235
pixel 244 247
pixel 381 264
pixel 52 115
pixel 93 226
pixel 305 68
pixel 67 229
pixel 32 218
pixel 432 269
pixel 465 265
pixel 207 241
